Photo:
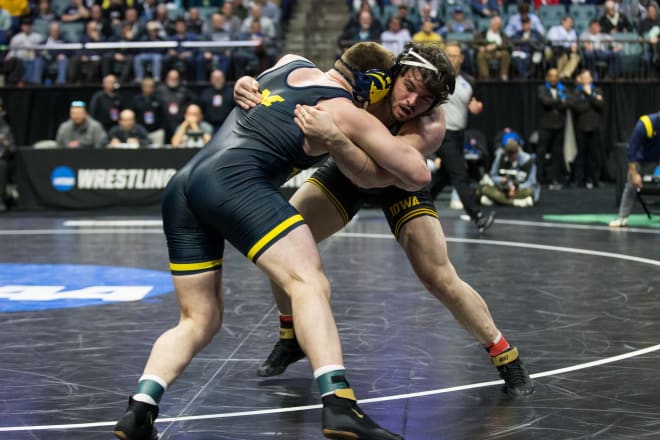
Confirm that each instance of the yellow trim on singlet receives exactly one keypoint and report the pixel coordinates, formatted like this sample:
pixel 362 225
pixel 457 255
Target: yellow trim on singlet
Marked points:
pixel 648 125
pixel 190 267
pixel 331 196
pixel 277 230
pixel 411 214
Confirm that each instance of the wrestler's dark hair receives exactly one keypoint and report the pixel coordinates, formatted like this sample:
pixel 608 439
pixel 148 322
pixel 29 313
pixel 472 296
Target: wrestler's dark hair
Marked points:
pixel 439 82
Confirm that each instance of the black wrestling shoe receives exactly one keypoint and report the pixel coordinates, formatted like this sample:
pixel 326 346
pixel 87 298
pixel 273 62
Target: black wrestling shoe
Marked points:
pixel 138 422
pixel 484 221
pixel 343 419
pixel 285 352
pixel 516 378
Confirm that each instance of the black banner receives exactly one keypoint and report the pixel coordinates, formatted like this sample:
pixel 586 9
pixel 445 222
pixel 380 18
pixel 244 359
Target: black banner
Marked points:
pixel 90 179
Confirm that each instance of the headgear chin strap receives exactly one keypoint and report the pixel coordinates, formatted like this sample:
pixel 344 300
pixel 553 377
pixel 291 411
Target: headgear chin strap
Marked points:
pixel 368 87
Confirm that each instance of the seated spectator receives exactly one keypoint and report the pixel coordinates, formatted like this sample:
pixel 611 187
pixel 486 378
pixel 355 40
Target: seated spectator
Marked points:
pixel 113 11
pixel 45 12
pixel 5 25
pixel 485 8
pixel 458 23
pixel 240 9
pixel 194 22
pixel 253 60
pixel 153 56
pixel 217 101
pixel 427 36
pixel 266 24
pixel 512 177
pixel 80 130
pixel 270 10
pixel 105 104
pixel 132 20
pixel 597 46
pixel 149 111
pixel 215 58
pixel 514 24
pixel 426 13
pixel 493 44
pixel 563 48
pixel 527 48
pixel 406 22
pixel 128 133
pixel 55 59
pixel 182 58
pixel 366 29
pixel 162 18
pixel 119 61
pixel 85 64
pixel 75 12
pixel 649 27
pixel 193 131
pixel 174 98
pixel 31 67
pixel 232 21
pixel 613 21
pixel 395 37
pixel 106 27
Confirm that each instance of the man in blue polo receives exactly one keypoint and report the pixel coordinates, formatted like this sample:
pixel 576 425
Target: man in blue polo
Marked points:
pixel 643 155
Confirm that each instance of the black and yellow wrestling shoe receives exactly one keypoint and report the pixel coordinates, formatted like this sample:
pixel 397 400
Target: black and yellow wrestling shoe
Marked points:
pixel 285 352
pixel 516 378
pixel 343 419
pixel 137 422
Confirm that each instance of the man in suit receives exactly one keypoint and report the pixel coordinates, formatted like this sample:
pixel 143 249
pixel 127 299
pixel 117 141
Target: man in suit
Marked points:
pixel 552 100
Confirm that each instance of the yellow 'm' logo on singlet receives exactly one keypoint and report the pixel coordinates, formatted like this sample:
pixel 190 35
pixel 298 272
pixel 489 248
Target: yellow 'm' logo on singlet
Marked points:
pixel 268 100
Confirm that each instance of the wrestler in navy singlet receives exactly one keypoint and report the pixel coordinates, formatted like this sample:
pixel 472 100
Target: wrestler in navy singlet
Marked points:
pixel 230 189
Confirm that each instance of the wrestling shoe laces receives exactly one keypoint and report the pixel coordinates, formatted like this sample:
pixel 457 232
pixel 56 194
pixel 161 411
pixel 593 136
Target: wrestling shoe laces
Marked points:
pixel 285 352
pixel 516 378
pixel 137 422
pixel 344 420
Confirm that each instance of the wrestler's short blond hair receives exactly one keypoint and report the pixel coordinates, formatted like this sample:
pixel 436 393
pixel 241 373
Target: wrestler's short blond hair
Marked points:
pixel 365 56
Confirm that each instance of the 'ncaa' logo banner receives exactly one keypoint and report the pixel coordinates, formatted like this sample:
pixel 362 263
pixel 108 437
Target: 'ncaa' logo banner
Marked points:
pixel 25 287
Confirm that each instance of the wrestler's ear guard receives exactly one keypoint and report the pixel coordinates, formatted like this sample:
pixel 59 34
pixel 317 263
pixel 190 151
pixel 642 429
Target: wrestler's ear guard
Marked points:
pixel 370 86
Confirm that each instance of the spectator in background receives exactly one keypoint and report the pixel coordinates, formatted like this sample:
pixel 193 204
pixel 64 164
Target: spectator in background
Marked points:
pixel 119 61
pixel 493 44
pixel 367 29
pixel 453 168
pixel 148 110
pixel 404 18
pixel 639 9
pixel 85 64
pixel 513 177
pixel 75 12
pixel 105 104
pixel 32 67
pixel 552 97
pixel 183 59
pixel 240 9
pixel 253 60
pixel 643 156
pixel 174 98
pixel 426 35
pixel 217 101
pixel 458 23
pixel 588 103
pixel 128 133
pixel 54 58
pixel 5 25
pixel 527 48
pixel 613 21
pixel 597 46
pixel 395 37
pixel 194 22
pixel 215 58
pixel 515 22
pixel 426 13
pixel 193 132
pixel 270 9
pixel 132 20
pixel 45 12
pixel 80 130
pixel 267 27
pixel 485 8
pixel 232 21
pixel 106 27
pixel 113 11
pixel 153 56
pixel 564 47
pixel 649 28
pixel 165 27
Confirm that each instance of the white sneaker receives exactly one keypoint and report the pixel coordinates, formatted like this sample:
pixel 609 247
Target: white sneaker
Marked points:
pixel 524 203
pixel 484 200
pixel 455 204
pixel 621 222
